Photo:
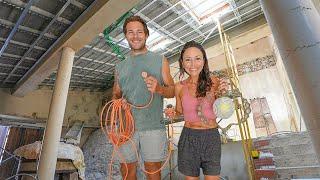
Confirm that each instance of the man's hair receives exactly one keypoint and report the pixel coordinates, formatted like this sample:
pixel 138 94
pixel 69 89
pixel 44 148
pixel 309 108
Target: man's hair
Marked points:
pixel 133 19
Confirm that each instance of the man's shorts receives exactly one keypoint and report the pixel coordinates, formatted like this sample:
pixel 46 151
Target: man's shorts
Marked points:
pixel 199 148
pixel 151 145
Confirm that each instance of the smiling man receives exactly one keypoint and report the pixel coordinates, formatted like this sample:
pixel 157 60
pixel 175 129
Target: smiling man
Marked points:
pixel 150 134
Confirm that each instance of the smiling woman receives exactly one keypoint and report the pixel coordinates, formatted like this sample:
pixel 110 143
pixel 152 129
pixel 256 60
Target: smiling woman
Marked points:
pixel 199 145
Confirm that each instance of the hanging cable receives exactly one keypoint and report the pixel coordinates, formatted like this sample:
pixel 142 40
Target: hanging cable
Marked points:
pixel 106 34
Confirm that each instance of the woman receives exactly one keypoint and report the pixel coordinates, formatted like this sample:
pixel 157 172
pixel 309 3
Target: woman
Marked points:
pixel 199 144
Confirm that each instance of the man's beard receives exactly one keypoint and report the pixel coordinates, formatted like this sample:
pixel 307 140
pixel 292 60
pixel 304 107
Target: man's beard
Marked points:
pixel 142 47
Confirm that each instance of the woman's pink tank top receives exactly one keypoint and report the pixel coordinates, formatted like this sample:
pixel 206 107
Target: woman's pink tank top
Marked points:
pixel 190 105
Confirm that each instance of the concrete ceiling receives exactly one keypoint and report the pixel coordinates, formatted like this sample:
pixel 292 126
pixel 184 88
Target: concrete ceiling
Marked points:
pixel 46 21
pixel 42 23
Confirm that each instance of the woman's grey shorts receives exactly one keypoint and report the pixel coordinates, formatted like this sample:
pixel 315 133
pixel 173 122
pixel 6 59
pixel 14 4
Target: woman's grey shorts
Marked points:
pixel 199 148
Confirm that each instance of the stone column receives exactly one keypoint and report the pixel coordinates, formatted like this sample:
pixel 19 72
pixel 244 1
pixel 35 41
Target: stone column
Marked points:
pixel 48 158
pixel 295 25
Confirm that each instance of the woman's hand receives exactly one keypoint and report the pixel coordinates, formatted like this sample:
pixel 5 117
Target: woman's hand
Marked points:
pixel 170 112
pixel 223 86
pixel 219 87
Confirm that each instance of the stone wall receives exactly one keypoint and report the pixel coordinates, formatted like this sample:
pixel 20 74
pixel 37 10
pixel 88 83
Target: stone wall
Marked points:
pixel 97 154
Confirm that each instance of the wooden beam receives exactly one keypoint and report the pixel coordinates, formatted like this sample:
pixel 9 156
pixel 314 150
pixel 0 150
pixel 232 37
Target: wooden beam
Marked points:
pixel 62 166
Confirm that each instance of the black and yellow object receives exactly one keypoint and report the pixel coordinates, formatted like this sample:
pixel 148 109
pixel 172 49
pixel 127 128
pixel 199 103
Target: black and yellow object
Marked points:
pixel 255 154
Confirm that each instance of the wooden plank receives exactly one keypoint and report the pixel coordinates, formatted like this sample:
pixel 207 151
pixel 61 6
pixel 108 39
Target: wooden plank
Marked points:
pixel 70 176
pixel 17 137
pixel 61 167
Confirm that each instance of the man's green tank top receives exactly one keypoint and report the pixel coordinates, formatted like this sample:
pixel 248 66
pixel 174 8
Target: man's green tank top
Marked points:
pixel 135 91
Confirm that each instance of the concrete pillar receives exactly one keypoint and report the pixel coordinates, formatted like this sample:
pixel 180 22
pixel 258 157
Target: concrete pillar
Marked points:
pixel 295 25
pixel 48 158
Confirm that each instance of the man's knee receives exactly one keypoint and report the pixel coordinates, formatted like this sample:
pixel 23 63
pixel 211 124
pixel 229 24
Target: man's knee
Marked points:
pixel 152 166
pixel 128 169
pixel 153 170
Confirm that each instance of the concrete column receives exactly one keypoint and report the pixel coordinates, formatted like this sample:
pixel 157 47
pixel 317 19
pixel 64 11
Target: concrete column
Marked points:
pixel 295 25
pixel 48 158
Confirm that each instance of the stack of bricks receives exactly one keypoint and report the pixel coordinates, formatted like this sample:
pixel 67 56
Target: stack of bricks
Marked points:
pixel 264 167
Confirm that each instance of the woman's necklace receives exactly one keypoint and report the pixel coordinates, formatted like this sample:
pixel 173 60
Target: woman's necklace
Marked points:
pixel 200 112
pixel 200 100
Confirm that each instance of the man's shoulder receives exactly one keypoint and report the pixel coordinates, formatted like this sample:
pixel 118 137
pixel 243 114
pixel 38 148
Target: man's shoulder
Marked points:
pixel 121 64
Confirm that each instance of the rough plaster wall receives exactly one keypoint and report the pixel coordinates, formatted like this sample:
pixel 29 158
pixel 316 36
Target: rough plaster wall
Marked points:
pixel 266 83
pixel 241 40
pixel 81 105
pixel 252 50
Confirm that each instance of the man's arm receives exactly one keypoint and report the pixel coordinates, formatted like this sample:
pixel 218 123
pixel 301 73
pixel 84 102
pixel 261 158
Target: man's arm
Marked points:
pixel 116 91
pixel 154 86
pixel 175 113
pixel 177 91
pixel 167 90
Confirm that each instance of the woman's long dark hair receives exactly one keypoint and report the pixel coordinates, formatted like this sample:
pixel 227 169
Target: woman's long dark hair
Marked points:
pixel 204 81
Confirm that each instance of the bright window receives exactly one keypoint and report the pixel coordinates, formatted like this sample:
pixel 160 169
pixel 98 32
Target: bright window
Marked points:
pixel 206 10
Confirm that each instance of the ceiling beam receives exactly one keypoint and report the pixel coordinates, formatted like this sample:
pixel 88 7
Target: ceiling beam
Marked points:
pixel 17 24
pixel 92 22
pixel 162 30
pixel 188 21
pixel 94 61
pixel 38 11
pixel 37 40
pixel 10 66
pixel 235 10
pixel 17 57
pixel 10 24
pixel 78 4
pixel 23 44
